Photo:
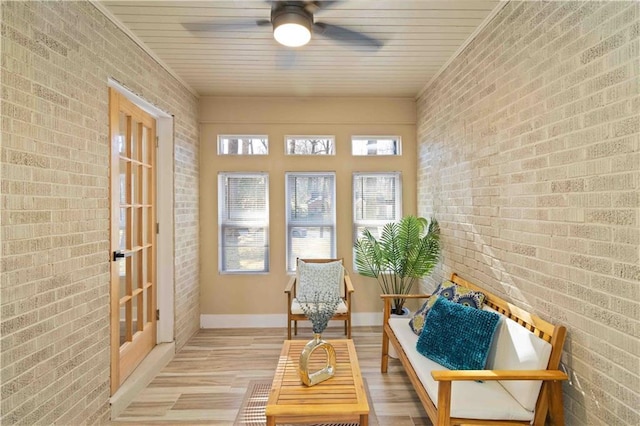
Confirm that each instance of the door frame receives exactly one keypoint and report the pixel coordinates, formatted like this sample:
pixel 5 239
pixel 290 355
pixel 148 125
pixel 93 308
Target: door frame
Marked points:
pixel 165 255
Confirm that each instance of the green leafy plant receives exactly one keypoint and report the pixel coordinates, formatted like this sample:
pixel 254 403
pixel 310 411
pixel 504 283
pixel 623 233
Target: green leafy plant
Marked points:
pixel 406 251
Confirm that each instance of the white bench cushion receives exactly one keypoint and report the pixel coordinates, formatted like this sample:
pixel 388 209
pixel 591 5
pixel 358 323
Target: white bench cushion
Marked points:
pixel 516 348
pixel 469 399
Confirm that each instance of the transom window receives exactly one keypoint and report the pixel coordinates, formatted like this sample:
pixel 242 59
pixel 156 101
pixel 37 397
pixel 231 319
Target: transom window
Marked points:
pixel 243 145
pixel 310 145
pixel 243 219
pixel 311 216
pixel 375 145
pixel 377 200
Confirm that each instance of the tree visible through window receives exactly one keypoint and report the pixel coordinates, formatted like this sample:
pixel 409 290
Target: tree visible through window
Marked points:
pixel 311 216
pixel 243 145
pixel 310 145
pixel 375 145
pixel 243 219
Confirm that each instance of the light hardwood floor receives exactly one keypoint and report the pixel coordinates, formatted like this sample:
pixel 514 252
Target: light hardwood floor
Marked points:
pixel 206 381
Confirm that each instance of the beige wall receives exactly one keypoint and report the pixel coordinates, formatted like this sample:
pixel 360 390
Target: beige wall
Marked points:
pixel 529 147
pixel 54 290
pixel 277 117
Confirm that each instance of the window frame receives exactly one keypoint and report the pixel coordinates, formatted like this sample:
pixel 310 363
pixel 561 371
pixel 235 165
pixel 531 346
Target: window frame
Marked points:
pixel 241 136
pixel 374 223
pixel 308 137
pixel 289 224
pixel 224 224
pixel 367 138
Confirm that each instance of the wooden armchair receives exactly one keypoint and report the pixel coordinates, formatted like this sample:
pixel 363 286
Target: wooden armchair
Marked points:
pixel 294 310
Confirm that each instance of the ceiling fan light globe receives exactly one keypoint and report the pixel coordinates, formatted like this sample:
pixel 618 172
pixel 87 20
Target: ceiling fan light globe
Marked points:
pixel 292 29
pixel 292 34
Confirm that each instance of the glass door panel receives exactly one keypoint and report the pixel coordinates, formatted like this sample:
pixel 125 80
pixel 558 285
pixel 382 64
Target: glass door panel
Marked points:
pixel 133 291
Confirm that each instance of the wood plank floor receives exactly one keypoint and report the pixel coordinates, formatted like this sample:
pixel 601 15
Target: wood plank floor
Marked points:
pixel 207 379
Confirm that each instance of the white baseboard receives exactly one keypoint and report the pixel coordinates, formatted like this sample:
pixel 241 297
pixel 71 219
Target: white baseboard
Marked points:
pixel 276 320
pixel 366 319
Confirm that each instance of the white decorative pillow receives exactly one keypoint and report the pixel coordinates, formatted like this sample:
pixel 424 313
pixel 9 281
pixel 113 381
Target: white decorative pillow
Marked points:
pixel 319 278
pixel 516 348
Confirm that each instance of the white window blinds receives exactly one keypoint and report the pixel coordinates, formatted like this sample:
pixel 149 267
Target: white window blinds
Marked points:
pixel 377 200
pixel 311 216
pixel 243 218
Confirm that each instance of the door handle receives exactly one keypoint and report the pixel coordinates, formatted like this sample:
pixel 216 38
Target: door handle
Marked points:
pixel 117 255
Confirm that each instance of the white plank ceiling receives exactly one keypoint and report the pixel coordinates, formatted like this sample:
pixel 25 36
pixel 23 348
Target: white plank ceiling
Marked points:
pixel 239 58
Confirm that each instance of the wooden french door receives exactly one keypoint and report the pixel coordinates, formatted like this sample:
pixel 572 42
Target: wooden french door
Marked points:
pixel 133 236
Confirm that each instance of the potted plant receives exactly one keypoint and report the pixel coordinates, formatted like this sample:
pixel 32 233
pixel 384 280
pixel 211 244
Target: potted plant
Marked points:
pixel 406 251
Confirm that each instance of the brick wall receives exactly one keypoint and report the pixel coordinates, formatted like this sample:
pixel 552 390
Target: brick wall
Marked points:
pixel 529 156
pixel 54 289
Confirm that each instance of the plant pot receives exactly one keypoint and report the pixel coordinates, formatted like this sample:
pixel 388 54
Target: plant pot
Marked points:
pixel 405 313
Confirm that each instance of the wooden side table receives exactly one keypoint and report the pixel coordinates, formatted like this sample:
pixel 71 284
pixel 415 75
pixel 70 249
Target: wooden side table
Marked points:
pixel 339 399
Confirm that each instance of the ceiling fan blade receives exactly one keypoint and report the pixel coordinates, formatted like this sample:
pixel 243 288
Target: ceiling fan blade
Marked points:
pixel 314 6
pixel 345 35
pixel 263 22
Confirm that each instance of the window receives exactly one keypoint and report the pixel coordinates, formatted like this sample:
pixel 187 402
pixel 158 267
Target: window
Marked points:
pixel 376 145
pixel 310 145
pixel 311 216
pixel 243 145
pixel 243 220
pixel 377 200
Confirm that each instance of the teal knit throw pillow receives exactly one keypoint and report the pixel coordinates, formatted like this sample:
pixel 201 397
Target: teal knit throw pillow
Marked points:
pixel 456 336
pixel 451 291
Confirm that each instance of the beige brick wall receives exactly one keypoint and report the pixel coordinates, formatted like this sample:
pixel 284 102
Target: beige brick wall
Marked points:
pixel 54 289
pixel 529 156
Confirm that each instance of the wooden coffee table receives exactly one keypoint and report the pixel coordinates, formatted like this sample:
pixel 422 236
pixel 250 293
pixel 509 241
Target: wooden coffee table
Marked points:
pixel 342 398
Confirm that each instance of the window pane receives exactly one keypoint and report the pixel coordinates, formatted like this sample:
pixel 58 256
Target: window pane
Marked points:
pixel 375 231
pixel 310 145
pixel 313 242
pixel 245 198
pixel 311 198
pixel 310 216
pixel 245 249
pixel 243 218
pixel 375 145
pixel 243 145
pixel 375 197
pixel 377 200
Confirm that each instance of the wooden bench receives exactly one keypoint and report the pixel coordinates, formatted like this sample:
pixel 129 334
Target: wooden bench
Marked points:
pixel 549 399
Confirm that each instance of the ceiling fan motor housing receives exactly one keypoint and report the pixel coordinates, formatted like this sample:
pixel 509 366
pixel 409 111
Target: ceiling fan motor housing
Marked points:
pixel 291 14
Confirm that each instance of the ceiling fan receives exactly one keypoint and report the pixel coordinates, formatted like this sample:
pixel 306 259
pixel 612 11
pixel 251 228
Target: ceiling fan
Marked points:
pixel 293 25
